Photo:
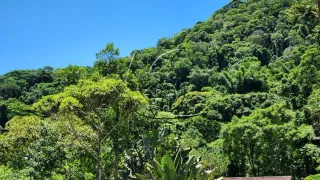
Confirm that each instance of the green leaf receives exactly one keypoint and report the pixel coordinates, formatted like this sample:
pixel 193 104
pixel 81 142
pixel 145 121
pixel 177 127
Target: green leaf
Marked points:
pixel 141 177
pixel 168 167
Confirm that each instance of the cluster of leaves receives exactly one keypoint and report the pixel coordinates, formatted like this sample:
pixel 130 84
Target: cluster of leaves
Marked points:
pixel 240 90
pixel 177 169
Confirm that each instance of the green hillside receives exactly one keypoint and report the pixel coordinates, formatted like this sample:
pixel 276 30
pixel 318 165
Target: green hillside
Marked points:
pixel 239 92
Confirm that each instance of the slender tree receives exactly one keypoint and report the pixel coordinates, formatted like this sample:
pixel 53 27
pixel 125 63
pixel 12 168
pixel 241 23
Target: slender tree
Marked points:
pixel 319 10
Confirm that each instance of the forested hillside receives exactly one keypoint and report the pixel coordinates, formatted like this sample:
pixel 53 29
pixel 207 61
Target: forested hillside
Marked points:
pixel 237 95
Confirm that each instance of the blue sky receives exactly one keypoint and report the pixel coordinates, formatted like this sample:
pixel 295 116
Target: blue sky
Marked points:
pixel 38 33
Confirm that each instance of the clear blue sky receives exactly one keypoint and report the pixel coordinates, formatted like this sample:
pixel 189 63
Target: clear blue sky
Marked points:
pixel 38 33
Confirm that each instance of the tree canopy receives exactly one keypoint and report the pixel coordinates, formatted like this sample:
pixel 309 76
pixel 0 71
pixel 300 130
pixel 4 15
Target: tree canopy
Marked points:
pixel 237 95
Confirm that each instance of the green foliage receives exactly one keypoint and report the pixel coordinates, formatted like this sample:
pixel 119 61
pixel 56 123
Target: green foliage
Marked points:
pixel 106 63
pixel 109 52
pixel 11 108
pixel 8 174
pixel 70 75
pixel 309 69
pixel 177 169
pixel 223 108
pixel 313 177
pixel 247 141
pixel 14 83
pixel 240 90
pixel 314 110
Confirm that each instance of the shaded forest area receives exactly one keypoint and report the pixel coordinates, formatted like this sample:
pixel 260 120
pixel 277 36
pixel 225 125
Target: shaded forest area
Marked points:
pixel 236 95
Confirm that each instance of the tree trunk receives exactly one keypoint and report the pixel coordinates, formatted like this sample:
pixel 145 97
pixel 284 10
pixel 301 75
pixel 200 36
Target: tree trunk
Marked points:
pixel 116 147
pixel 99 158
pixel 252 159
pixel 116 166
pixel 319 10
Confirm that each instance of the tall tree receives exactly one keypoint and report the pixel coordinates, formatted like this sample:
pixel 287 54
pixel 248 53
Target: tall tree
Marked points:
pixel 107 106
pixel 319 10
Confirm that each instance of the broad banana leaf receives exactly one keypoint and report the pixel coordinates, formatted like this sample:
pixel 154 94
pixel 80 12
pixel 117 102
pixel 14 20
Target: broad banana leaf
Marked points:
pixel 168 168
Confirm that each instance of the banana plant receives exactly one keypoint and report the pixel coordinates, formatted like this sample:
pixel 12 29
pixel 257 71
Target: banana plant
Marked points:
pixel 176 169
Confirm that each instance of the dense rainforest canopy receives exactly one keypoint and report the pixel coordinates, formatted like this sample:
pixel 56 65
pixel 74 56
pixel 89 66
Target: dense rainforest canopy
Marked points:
pixel 236 95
